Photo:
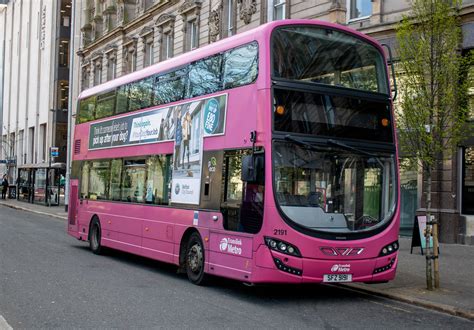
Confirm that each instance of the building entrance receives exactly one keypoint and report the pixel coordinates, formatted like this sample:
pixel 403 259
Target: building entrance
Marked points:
pixel 467 206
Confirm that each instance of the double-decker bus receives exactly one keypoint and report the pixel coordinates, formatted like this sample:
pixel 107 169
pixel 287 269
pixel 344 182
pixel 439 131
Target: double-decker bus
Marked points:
pixel 266 157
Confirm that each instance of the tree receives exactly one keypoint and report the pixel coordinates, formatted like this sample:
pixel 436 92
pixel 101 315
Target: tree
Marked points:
pixel 432 112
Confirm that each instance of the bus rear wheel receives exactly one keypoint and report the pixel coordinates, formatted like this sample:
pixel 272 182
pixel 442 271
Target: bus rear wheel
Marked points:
pixel 95 236
pixel 195 260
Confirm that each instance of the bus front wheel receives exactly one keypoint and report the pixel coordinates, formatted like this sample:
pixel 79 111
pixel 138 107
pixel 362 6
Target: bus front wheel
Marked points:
pixel 195 259
pixel 95 236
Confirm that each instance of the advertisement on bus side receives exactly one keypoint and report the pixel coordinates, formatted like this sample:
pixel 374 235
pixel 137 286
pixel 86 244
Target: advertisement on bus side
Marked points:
pixel 158 125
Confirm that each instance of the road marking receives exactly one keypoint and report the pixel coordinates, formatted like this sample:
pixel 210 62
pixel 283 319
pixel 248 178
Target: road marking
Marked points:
pixel 388 306
pixel 4 325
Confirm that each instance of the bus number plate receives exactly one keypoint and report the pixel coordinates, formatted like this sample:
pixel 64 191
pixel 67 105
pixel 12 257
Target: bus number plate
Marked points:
pixel 337 278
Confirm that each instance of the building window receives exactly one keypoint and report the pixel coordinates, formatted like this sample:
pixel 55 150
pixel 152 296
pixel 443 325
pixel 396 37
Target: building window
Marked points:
pixel 191 21
pixel 64 53
pixel 229 20
pixel 63 95
pixel 276 10
pixel 167 50
pixel 359 8
pixel 130 57
pixel 31 145
pixel 192 35
pixel 97 72
pixel 111 67
pixel 148 53
pixel 165 28
pixel 42 145
pixel 85 78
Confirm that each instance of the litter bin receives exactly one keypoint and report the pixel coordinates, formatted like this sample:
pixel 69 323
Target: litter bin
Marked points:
pixel 12 192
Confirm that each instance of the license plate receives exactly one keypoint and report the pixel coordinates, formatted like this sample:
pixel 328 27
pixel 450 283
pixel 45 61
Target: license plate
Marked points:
pixel 337 278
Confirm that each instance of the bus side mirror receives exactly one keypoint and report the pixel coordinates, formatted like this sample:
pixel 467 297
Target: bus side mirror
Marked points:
pixel 253 168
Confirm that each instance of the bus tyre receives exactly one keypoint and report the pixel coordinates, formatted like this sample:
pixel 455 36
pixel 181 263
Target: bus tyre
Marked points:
pixel 95 236
pixel 195 259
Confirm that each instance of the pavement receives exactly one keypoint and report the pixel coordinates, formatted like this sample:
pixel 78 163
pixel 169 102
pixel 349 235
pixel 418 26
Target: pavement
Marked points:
pixel 455 295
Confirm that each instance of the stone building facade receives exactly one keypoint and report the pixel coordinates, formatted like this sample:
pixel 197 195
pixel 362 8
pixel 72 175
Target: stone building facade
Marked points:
pixel 34 82
pixel 115 37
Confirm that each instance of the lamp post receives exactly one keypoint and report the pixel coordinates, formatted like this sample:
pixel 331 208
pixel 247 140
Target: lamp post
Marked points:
pixel 69 113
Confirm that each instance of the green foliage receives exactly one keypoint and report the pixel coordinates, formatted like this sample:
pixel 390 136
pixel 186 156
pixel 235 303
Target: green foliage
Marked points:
pixel 433 84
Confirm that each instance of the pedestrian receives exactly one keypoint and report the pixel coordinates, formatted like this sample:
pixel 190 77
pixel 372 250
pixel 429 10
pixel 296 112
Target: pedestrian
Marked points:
pixel 177 140
pixel 186 137
pixel 4 186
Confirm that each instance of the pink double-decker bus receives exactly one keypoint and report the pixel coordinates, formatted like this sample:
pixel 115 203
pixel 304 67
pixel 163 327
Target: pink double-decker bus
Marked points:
pixel 269 156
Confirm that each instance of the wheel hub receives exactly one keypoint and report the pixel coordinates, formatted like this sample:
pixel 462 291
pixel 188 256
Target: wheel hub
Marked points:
pixel 195 258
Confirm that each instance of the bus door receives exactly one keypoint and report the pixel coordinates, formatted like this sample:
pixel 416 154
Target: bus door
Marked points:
pixel 241 213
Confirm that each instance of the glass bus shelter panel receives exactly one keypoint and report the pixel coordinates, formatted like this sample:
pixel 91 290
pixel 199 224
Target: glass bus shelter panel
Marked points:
pixel 25 191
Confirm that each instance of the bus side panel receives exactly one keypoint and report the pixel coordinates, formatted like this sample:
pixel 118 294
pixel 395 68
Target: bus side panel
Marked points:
pixel 230 255
pixel 157 232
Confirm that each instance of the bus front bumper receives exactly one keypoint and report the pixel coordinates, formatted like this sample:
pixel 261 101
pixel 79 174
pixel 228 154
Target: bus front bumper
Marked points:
pixel 275 267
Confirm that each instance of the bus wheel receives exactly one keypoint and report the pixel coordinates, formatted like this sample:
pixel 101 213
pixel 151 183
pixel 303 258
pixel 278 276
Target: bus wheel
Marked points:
pixel 95 236
pixel 195 260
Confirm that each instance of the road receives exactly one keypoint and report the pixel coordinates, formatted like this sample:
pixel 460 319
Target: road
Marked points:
pixel 50 280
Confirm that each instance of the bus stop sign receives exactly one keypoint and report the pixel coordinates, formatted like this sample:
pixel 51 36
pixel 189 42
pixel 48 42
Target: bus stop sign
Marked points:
pixel 54 151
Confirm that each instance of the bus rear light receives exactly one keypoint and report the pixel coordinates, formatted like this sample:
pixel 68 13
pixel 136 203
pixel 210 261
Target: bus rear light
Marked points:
pixel 281 266
pixel 389 249
pixel 281 246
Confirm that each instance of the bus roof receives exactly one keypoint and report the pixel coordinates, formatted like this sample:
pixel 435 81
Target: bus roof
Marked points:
pixel 259 33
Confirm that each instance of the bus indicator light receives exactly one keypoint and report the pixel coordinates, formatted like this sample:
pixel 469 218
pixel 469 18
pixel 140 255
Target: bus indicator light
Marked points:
pixel 385 122
pixel 280 110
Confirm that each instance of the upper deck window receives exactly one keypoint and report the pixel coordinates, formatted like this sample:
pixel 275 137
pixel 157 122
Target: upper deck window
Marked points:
pixel 233 68
pixel 326 56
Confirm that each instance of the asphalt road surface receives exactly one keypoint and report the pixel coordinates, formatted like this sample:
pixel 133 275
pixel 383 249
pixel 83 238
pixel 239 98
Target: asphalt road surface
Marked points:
pixel 50 280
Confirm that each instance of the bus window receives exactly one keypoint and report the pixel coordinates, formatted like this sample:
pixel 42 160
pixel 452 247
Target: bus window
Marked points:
pixel 205 76
pixel 122 99
pixel 86 110
pixel 242 206
pixel 85 180
pixel 170 87
pixel 241 66
pixel 115 179
pixel 140 94
pixel 99 180
pixel 105 105
pixel 133 181
pixel 158 169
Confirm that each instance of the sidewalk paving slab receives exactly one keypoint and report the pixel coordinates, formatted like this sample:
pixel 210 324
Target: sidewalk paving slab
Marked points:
pixel 455 297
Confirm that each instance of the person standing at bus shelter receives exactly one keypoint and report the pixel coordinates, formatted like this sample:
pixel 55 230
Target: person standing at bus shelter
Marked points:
pixel 178 139
pixel 4 186
pixel 186 137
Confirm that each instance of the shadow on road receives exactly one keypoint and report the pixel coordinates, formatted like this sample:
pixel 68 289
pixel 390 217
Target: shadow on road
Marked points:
pixel 261 293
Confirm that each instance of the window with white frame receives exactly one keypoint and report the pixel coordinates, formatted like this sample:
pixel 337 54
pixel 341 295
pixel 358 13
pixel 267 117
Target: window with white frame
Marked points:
pixel 359 8
pixel 276 10
pixel 230 18
pixel 167 51
pixel 97 72
pixel 148 53
pixel 111 67
pixel 192 35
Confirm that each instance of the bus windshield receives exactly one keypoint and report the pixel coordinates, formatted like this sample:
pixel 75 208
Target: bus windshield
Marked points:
pixel 333 187
pixel 326 56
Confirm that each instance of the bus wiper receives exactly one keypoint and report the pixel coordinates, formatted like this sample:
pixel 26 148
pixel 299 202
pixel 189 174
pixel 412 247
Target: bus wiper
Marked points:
pixel 288 137
pixel 342 145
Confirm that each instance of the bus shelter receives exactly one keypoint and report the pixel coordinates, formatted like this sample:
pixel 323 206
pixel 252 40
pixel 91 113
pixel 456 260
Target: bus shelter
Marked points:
pixel 41 183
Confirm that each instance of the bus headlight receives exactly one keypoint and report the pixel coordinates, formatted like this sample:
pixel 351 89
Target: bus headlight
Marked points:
pixel 281 246
pixel 389 249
